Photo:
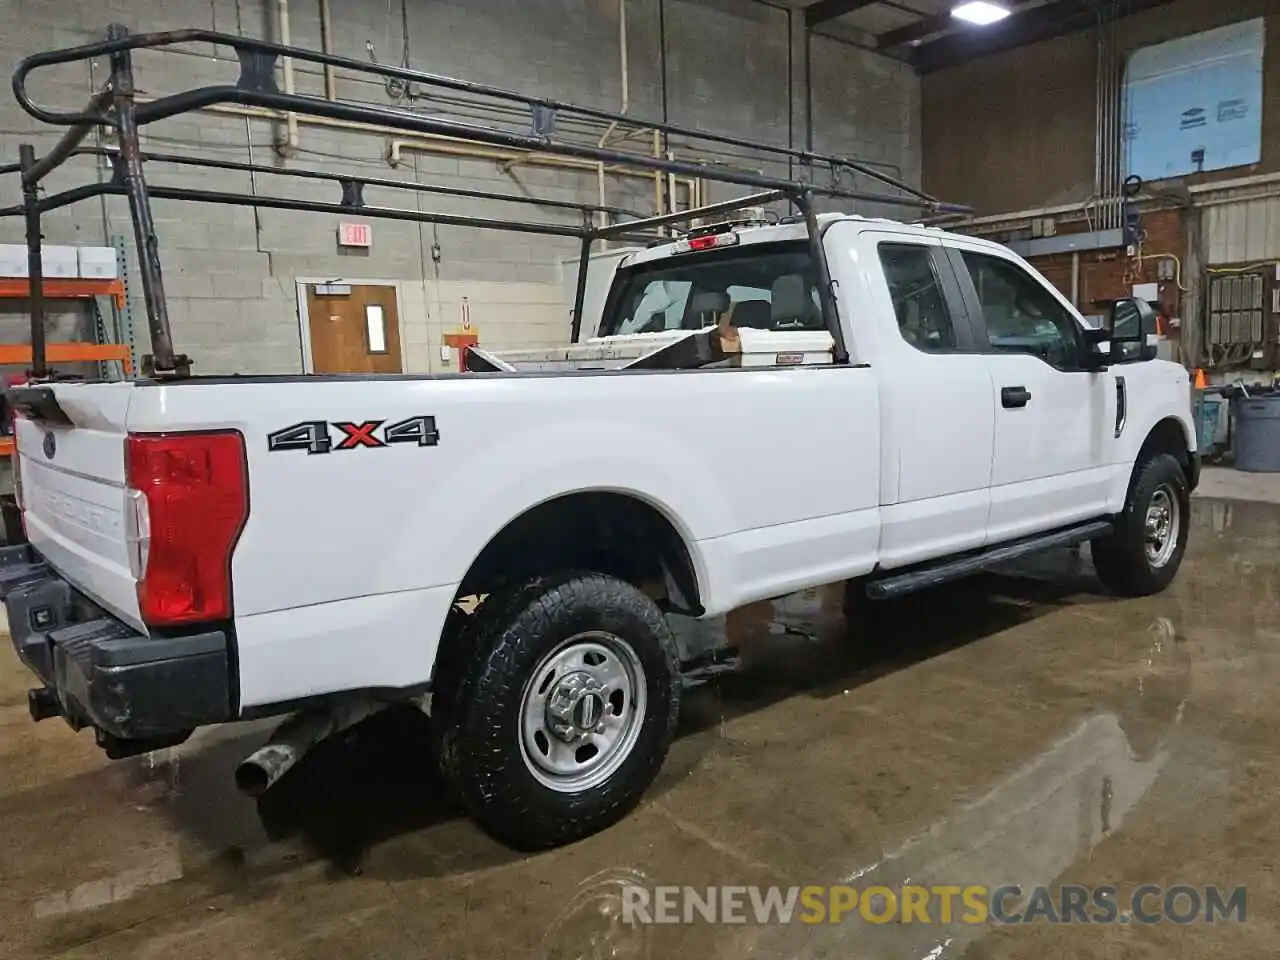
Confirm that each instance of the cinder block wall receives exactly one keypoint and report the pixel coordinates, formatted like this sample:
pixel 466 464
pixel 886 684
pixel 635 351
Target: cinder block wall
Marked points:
pixel 734 66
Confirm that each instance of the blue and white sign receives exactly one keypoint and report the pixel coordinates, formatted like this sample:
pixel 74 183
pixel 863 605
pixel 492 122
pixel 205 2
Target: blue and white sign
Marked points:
pixel 1195 104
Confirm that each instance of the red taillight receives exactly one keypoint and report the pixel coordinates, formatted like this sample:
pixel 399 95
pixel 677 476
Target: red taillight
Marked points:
pixel 190 495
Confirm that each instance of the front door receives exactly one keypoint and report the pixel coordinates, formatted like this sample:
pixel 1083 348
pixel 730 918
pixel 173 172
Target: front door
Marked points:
pixel 1053 418
pixel 353 328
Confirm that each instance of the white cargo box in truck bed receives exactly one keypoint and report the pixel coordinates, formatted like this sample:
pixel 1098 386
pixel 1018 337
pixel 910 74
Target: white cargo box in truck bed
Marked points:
pixel 504 549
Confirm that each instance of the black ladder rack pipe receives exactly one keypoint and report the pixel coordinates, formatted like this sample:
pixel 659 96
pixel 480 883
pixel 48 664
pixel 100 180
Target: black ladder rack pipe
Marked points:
pixel 114 107
pixel 35 265
pixel 352 184
pixel 265 202
pixel 258 59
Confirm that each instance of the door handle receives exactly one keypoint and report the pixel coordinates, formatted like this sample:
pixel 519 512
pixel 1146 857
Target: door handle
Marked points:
pixel 1013 397
pixel 1122 406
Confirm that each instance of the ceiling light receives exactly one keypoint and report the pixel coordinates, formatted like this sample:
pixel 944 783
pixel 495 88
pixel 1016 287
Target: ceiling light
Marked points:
pixel 980 12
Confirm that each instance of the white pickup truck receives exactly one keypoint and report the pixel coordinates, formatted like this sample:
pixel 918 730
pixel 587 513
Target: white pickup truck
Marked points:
pixel 214 549
pixel 823 399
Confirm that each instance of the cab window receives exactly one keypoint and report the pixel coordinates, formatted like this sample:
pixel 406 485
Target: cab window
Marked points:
pixel 769 286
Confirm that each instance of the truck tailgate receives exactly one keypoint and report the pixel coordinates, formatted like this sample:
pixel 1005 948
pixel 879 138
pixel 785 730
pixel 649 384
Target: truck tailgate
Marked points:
pixel 73 492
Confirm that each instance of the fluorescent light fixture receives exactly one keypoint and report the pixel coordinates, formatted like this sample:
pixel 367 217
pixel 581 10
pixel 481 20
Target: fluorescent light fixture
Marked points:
pixel 980 12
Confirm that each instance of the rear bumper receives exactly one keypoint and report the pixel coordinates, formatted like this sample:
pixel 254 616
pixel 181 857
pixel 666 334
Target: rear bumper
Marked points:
pixel 99 672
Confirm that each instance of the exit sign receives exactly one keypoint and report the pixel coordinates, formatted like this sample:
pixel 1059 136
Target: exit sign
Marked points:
pixel 355 235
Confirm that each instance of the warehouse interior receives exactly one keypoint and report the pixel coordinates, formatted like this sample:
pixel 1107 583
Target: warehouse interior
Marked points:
pixel 1022 726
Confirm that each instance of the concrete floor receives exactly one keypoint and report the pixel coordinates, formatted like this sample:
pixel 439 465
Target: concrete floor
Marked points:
pixel 1009 729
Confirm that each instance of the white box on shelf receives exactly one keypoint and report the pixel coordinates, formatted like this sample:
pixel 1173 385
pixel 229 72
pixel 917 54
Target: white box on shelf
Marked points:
pixel 13 260
pixel 97 263
pixel 60 262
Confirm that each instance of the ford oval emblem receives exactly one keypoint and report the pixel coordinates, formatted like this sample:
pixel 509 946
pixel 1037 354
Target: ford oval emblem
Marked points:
pixel 50 444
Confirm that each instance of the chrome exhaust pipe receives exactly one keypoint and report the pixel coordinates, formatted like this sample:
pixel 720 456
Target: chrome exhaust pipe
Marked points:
pixel 263 768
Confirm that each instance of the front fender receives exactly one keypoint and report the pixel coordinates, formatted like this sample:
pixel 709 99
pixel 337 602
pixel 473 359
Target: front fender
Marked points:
pixel 1159 416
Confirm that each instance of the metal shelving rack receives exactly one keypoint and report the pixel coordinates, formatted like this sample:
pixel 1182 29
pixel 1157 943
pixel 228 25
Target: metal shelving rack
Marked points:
pixel 103 352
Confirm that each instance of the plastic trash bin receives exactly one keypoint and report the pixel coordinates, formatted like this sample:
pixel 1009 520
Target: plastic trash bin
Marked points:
pixel 1257 440
pixel 1207 409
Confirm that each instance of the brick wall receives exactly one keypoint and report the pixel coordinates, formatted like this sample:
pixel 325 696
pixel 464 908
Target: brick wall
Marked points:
pixel 231 273
pixel 1111 274
pixel 1108 274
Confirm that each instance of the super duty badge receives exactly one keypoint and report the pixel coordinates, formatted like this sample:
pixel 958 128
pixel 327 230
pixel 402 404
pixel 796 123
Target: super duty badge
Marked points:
pixel 316 436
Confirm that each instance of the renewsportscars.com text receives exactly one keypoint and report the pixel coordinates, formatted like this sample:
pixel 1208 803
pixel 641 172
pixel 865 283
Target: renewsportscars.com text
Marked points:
pixel 940 904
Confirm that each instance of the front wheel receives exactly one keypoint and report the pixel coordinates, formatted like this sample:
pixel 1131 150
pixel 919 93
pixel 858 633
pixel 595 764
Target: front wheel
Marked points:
pixel 565 712
pixel 1143 554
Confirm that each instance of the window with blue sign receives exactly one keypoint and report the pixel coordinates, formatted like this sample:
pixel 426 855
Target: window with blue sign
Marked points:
pixel 1195 104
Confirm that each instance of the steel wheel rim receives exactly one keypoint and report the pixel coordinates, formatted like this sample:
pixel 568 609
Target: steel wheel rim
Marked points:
pixel 581 711
pixel 1162 526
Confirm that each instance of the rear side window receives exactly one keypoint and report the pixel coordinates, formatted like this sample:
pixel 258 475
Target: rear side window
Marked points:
pixel 918 301
pixel 770 286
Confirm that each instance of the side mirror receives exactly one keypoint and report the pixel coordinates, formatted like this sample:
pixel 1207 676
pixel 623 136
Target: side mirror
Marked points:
pixel 1131 324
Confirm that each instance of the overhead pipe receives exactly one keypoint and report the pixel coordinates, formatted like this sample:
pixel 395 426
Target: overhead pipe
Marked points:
pixel 660 137
pixel 1113 112
pixel 433 143
pixel 326 45
pixel 624 71
pixel 444 148
pixel 286 63
pixel 425 142
pixel 1098 106
pixel 1108 72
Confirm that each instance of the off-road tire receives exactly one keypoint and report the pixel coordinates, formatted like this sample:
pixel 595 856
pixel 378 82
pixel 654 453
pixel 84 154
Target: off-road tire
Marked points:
pixel 1121 558
pixel 476 706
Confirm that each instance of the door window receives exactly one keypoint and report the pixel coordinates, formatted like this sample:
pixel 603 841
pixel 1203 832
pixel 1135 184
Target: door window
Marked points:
pixel 1021 315
pixel 917 297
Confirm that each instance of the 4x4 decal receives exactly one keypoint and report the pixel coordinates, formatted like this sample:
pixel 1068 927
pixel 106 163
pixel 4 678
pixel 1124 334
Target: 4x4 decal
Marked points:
pixel 314 436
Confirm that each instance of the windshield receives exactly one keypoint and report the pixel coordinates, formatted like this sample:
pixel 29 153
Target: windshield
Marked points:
pixel 768 286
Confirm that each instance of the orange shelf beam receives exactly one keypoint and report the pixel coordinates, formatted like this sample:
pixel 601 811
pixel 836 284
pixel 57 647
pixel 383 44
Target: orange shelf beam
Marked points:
pixel 12 354
pixel 64 288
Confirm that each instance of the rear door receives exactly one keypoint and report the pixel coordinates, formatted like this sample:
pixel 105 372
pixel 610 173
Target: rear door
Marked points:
pixel 73 492
pixel 938 416
pixel 1053 418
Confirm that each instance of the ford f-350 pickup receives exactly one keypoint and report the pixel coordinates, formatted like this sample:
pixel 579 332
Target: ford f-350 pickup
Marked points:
pixel 827 398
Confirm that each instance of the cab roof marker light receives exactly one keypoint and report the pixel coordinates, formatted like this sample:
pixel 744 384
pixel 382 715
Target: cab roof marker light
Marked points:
pixel 709 242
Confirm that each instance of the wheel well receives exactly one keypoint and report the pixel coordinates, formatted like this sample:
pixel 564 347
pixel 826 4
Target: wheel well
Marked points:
pixel 606 532
pixel 1167 436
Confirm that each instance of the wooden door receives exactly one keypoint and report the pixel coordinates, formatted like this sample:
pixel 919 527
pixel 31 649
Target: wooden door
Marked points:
pixel 355 332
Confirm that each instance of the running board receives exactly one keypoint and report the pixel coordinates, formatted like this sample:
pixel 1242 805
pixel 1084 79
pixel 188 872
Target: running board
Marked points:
pixel 919 578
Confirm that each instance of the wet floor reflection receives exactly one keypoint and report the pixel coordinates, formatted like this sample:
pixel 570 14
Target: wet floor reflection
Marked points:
pixel 1021 727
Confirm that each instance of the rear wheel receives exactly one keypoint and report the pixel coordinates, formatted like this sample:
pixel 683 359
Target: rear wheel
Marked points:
pixel 1143 554
pixel 565 711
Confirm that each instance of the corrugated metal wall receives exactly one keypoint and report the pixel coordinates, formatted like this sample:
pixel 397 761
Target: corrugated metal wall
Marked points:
pixel 1244 232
